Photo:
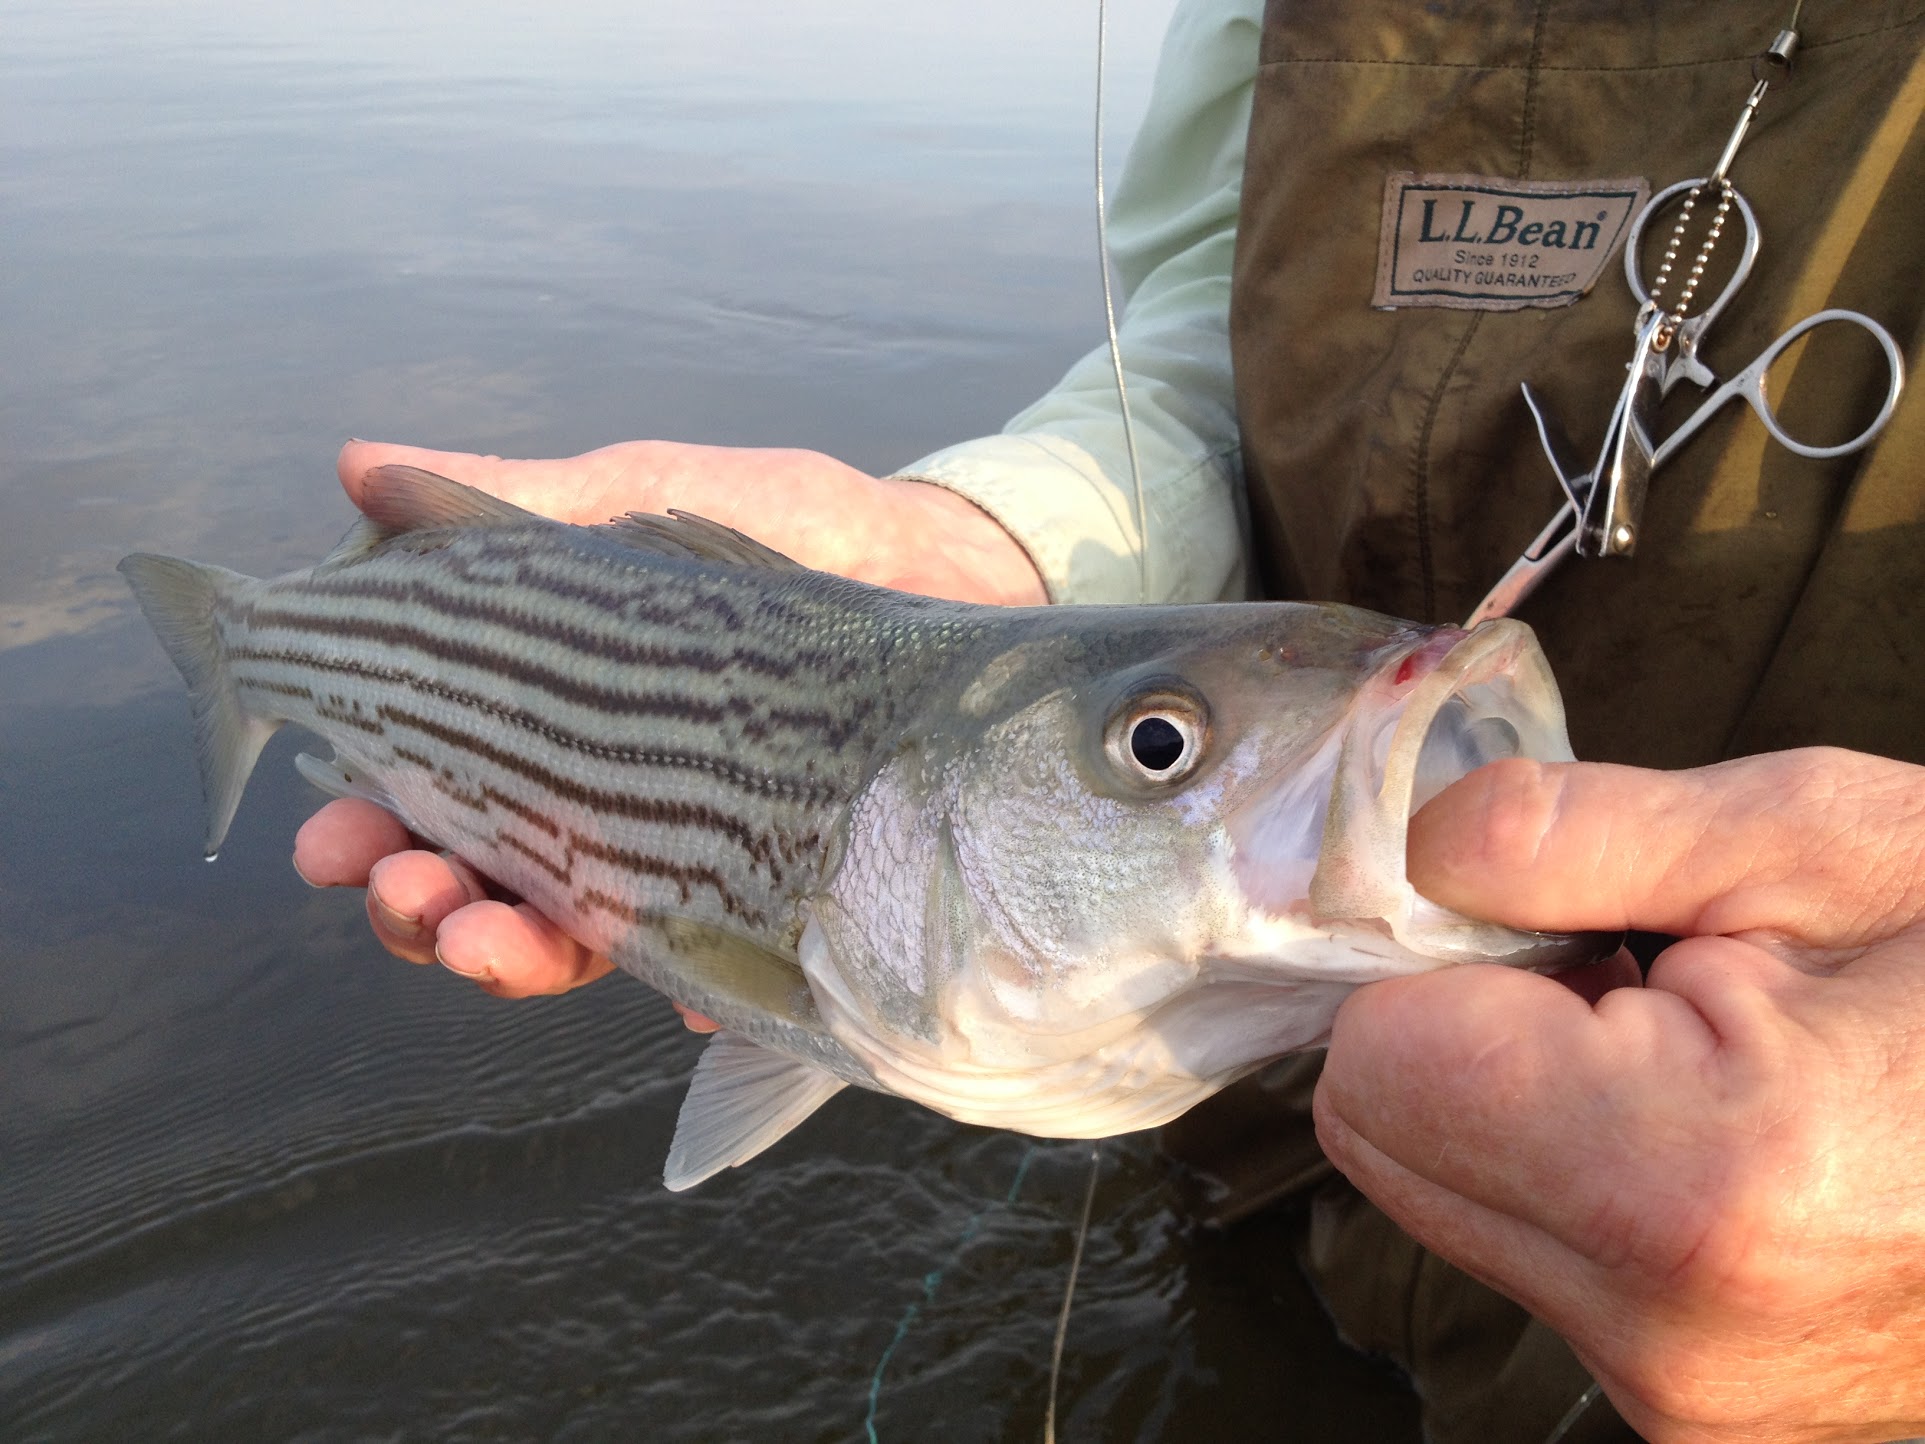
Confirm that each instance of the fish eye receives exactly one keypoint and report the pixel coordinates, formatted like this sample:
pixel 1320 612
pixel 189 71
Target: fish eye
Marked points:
pixel 1158 738
pixel 1157 743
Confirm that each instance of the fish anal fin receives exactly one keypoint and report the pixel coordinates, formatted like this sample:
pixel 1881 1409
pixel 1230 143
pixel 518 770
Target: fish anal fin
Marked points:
pixel 337 781
pixel 742 1099
pixel 683 534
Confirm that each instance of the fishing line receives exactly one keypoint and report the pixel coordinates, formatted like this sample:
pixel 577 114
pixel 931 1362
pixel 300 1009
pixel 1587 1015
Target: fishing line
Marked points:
pixel 1573 1414
pixel 1141 513
pixel 932 1281
pixel 1069 1292
pixel 1140 509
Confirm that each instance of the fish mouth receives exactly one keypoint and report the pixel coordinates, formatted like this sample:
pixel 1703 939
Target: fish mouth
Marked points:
pixel 1431 714
pixel 1473 698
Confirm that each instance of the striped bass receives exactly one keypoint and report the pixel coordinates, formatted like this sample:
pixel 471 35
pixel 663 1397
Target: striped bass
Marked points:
pixel 1065 870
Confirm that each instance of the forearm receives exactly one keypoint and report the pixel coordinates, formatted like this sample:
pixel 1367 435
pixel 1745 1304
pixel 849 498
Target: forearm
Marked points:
pixel 1059 476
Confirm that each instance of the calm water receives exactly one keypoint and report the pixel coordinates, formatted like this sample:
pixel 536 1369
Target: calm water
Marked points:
pixel 259 1181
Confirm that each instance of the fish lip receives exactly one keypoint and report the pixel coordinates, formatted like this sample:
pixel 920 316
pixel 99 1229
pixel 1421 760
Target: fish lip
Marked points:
pixel 1423 680
pixel 1456 653
pixel 1501 673
pixel 1432 650
pixel 1497 648
pixel 1554 952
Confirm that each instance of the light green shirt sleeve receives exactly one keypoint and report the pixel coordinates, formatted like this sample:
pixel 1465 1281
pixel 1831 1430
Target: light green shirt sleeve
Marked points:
pixel 1058 477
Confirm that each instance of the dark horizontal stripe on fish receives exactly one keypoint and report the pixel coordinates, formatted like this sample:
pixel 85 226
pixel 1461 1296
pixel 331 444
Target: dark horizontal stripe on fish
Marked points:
pixel 338 709
pixel 535 855
pixel 685 876
pixel 803 790
pixel 479 801
pixel 656 811
pixel 280 689
pixel 695 580
pixel 678 596
pixel 759 848
pixel 603 645
pixel 755 719
pixel 597 901
pixel 534 817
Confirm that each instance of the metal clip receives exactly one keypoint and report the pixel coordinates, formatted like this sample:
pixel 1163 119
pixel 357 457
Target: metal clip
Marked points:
pixel 1615 506
pixel 1716 178
pixel 1775 61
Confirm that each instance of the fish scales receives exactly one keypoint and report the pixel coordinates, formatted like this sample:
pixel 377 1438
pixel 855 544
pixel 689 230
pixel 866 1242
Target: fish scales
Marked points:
pixel 1065 870
pixel 500 690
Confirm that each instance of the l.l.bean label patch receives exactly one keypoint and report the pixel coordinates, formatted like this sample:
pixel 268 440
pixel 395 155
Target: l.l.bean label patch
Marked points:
pixel 1483 243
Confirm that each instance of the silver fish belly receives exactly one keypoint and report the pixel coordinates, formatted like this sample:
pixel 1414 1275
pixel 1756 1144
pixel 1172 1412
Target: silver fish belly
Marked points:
pixel 1064 870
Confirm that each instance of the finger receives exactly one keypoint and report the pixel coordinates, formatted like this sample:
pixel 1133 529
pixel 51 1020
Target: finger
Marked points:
pixel 515 952
pixel 696 1022
pixel 1822 847
pixel 1592 981
pixel 410 894
pixel 1510 1254
pixel 340 844
pixel 1513 1091
pixel 909 535
pixel 1555 1283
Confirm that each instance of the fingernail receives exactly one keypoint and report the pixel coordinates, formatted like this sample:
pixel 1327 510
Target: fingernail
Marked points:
pixel 357 441
pixel 304 877
pixel 407 929
pixel 477 975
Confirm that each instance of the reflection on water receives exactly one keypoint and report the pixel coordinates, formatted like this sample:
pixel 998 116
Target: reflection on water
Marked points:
pixel 261 1181
pixel 235 232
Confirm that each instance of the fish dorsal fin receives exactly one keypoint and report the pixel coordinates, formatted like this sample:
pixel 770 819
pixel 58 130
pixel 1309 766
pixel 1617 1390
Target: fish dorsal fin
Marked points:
pixel 396 500
pixel 681 534
pixel 742 1099
pixel 363 537
pixel 405 498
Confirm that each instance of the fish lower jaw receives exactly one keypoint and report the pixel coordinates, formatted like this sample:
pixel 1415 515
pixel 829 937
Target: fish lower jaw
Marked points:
pixel 1416 936
pixel 1282 950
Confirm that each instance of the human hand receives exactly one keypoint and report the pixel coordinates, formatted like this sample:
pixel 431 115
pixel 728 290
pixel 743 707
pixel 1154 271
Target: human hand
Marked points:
pixel 912 536
pixel 1713 1186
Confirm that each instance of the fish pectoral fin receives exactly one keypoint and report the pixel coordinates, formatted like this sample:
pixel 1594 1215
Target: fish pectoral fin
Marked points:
pixel 717 966
pixel 742 1099
pixel 683 534
pixel 336 781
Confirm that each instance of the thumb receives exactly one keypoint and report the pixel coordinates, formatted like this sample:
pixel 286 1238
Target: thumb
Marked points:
pixel 1821 846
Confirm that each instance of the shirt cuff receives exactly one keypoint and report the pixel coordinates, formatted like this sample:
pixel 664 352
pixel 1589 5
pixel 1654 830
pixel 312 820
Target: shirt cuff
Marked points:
pixel 1077 525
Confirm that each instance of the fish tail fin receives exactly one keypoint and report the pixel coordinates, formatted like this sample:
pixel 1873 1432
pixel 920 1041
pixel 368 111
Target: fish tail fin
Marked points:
pixel 181 600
